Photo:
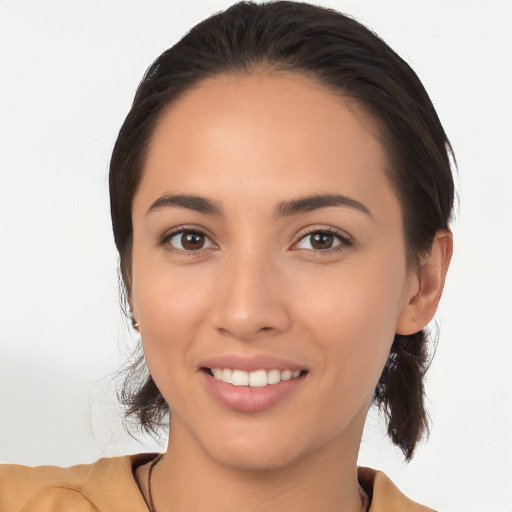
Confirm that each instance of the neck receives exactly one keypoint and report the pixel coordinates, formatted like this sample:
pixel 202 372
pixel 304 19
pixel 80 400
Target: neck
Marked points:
pixel 188 479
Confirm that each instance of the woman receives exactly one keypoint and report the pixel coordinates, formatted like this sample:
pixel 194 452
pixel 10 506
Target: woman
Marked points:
pixel 280 197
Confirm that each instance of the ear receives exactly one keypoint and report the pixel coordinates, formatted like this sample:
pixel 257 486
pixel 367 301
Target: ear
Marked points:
pixel 426 286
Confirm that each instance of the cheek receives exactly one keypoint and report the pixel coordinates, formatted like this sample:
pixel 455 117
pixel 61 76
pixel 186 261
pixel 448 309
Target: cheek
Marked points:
pixel 169 306
pixel 171 312
pixel 352 316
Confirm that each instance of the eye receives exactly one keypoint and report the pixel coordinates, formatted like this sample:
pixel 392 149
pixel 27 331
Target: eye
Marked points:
pixel 187 240
pixel 322 240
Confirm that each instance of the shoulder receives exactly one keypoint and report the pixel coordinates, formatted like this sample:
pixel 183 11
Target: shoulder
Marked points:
pixel 107 484
pixel 385 495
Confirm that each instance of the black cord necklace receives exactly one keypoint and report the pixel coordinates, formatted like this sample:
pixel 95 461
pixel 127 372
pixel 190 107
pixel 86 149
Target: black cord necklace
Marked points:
pixel 149 502
pixel 365 502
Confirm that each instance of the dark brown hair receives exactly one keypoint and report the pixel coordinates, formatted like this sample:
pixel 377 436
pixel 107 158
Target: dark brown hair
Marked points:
pixel 350 60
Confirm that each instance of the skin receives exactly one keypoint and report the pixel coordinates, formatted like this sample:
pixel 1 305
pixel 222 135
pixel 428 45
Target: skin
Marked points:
pixel 248 143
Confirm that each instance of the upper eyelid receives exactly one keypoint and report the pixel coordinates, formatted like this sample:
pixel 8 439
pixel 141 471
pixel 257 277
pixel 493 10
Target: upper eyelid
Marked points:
pixel 344 238
pixel 303 233
pixel 325 229
pixel 169 233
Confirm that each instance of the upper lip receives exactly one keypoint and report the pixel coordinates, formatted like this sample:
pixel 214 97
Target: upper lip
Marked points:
pixel 250 363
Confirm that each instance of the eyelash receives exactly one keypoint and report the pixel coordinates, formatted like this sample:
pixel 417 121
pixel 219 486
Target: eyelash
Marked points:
pixel 164 240
pixel 344 240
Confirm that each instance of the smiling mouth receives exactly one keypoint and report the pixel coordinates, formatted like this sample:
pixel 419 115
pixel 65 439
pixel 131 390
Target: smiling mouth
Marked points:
pixel 255 379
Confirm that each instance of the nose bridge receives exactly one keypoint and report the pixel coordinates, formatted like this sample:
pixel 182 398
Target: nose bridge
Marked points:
pixel 251 299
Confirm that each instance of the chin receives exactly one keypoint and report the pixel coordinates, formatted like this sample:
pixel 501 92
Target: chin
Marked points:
pixel 252 460
pixel 261 451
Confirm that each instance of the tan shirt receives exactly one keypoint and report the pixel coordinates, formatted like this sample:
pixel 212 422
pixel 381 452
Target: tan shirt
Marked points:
pixel 108 485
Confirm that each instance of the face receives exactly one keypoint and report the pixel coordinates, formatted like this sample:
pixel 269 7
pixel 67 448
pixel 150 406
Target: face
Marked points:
pixel 268 244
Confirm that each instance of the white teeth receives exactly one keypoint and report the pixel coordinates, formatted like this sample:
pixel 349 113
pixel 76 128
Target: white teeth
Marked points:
pixel 226 375
pixel 240 378
pixel 256 379
pixel 286 375
pixel 273 376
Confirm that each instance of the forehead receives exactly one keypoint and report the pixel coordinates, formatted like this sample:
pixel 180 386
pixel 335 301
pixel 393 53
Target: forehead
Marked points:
pixel 265 134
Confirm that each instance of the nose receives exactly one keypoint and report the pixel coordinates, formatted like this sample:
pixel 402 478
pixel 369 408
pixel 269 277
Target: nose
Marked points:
pixel 252 299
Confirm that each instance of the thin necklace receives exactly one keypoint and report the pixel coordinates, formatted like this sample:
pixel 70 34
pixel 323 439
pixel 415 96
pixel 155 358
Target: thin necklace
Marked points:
pixel 150 505
pixel 365 502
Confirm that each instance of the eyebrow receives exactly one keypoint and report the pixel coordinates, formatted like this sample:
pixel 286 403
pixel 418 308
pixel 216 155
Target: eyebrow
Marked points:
pixel 284 209
pixel 188 202
pixel 315 202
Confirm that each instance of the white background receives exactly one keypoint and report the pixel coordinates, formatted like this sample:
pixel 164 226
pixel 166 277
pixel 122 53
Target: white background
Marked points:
pixel 68 71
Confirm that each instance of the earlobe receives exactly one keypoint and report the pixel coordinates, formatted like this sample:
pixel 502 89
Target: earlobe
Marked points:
pixel 133 317
pixel 427 288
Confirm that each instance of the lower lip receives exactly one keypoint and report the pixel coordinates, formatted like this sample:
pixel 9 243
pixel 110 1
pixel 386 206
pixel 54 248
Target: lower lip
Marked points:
pixel 251 399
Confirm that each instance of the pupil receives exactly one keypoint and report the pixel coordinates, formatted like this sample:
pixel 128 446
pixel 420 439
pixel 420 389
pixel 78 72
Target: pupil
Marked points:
pixel 322 241
pixel 192 241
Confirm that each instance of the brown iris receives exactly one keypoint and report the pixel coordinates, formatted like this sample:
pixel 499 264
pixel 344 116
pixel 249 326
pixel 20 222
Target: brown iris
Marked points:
pixel 192 241
pixel 322 241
